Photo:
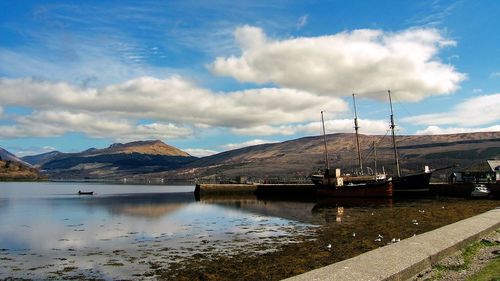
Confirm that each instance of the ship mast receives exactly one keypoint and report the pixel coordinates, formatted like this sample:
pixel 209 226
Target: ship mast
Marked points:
pixel 396 160
pixel 356 127
pixel 375 156
pixel 324 142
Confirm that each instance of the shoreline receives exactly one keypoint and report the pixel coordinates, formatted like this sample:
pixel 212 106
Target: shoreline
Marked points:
pixel 406 259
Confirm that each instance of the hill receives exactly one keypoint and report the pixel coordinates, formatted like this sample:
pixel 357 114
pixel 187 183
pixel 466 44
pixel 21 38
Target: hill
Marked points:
pixel 298 158
pixel 37 160
pixel 7 156
pixel 114 162
pixel 13 168
pixel 289 160
pixel 154 147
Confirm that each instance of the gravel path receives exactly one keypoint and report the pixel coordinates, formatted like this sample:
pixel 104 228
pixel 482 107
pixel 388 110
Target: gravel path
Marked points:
pixel 455 267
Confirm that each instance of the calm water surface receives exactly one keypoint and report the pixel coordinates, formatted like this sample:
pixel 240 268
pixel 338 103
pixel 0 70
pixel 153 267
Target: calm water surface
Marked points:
pixel 49 231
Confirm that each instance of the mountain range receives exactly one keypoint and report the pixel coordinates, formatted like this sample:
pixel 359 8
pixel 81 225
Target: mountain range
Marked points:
pixel 296 159
pixel 116 161
pixel 293 159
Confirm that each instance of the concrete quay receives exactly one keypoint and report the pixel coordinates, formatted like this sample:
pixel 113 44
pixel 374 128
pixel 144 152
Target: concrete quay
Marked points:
pixel 405 259
pixel 255 189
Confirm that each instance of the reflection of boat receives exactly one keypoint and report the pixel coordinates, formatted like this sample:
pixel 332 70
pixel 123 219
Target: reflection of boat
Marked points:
pixel 336 185
pixel 85 192
pixel 411 184
pixel 480 191
pixel 328 203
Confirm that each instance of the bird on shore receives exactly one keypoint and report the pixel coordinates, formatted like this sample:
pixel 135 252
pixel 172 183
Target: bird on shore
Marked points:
pixel 354 234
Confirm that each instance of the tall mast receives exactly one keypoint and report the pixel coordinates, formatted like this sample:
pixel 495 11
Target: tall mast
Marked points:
pixel 356 127
pixel 396 160
pixel 375 155
pixel 324 141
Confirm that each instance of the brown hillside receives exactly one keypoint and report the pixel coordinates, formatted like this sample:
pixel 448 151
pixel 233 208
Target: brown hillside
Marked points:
pixel 10 170
pixel 155 147
pixel 298 158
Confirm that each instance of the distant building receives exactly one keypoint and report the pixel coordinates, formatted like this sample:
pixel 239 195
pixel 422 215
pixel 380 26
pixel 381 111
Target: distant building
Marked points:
pixel 486 172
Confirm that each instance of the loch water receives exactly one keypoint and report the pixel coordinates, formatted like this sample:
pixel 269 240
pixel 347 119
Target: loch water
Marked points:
pixel 48 231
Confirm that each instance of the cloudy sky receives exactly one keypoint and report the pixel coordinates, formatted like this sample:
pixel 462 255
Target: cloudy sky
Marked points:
pixel 208 76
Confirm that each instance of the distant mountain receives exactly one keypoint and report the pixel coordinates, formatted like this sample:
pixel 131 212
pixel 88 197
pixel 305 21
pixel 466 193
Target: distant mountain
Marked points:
pixel 294 159
pixel 5 155
pixel 116 161
pixel 298 158
pixel 154 147
pixel 37 160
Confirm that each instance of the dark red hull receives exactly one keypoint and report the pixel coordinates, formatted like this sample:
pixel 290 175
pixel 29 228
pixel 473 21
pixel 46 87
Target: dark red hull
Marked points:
pixel 372 190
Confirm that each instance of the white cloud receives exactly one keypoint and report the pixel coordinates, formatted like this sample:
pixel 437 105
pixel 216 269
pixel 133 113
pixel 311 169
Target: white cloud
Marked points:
pixel 369 127
pixel 90 66
pixel 435 130
pixel 302 21
pixel 200 152
pixel 266 130
pixel 360 61
pixel 232 146
pixel 174 103
pixel 477 111
pixel 56 123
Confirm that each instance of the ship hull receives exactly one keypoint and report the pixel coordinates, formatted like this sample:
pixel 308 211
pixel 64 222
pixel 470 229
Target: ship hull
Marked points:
pixel 412 185
pixel 370 190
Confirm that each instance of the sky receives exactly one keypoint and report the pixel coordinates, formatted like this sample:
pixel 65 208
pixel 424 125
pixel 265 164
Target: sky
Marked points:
pixel 210 76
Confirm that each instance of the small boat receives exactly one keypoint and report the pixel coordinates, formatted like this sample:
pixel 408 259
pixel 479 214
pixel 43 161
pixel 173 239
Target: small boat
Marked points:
pixel 85 192
pixel 480 191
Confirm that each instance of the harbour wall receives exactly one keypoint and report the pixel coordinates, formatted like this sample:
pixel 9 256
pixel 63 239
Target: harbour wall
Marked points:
pixel 284 191
pixel 405 259
pixel 268 190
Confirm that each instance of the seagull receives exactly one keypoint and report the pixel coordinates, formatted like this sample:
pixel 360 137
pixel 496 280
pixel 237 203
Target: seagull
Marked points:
pixel 354 234
pixel 380 236
pixel 393 240
pixel 378 240
pixel 421 211
pixel 329 246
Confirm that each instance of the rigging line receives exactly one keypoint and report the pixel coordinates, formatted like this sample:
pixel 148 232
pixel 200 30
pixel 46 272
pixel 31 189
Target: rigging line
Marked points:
pixel 399 103
pixel 367 154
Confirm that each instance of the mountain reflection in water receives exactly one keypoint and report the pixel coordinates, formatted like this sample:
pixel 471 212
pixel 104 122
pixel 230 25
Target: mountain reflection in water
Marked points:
pixel 48 227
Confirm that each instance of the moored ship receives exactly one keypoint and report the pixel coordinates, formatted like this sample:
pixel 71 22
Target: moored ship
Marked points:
pixel 410 184
pixel 337 185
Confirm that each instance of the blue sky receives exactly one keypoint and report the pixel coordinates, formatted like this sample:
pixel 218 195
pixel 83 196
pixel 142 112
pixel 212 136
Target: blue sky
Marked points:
pixel 208 76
